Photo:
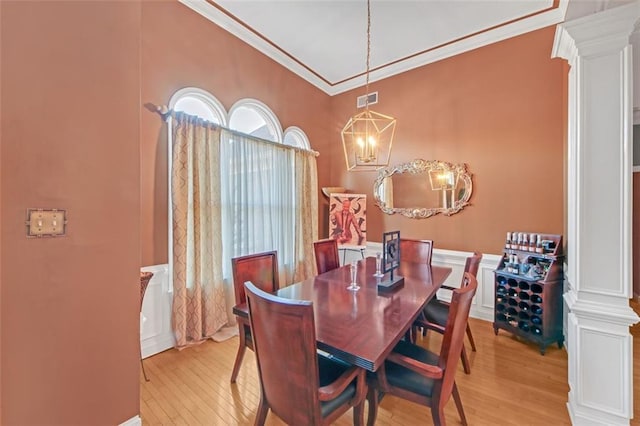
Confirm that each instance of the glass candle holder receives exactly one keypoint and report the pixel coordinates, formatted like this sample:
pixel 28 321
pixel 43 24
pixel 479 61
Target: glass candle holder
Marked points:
pixel 378 265
pixel 354 277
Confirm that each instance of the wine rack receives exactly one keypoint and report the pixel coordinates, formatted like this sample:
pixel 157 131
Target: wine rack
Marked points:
pixel 528 290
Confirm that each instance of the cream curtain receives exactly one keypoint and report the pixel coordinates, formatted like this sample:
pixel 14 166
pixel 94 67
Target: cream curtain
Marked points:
pixel 306 214
pixel 199 308
pixel 269 196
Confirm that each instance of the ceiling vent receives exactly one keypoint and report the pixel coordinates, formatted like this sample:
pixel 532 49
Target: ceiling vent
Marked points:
pixel 362 100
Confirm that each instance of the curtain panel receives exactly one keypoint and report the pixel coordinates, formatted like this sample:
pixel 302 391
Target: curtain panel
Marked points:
pixel 269 197
pixel 199 308
pixel 233 195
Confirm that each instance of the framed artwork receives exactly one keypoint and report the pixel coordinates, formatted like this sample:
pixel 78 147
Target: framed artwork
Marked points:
pixel 390 261
pixel 348 218
pixel 390 251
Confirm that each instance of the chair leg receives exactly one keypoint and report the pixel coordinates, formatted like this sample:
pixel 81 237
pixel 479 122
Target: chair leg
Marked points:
pixel 240 355
pixel 261 415
pixel 437 414
pixel 358 414
pixel 372 400
pixel 465 361
pixel 458 401
pixel 144 373
pixel 470 336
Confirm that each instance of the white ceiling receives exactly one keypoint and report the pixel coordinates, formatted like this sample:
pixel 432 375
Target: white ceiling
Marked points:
pixel 324 41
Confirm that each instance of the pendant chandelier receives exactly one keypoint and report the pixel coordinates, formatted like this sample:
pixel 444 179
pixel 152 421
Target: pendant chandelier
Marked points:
pixel 367 137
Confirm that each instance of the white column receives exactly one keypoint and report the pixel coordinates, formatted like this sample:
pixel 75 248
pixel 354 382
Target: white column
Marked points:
pixel 599 279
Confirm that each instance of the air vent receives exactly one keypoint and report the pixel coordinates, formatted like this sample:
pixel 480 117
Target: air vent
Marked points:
pixel 362 100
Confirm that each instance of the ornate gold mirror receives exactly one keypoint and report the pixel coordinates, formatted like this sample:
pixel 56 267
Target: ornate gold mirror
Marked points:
pixel 420 189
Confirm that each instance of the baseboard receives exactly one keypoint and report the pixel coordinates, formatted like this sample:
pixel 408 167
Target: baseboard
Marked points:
pixel 133 421
pixel 157 344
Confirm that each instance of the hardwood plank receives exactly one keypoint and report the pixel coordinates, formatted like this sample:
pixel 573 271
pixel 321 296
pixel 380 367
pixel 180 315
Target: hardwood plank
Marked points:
pixel 510 384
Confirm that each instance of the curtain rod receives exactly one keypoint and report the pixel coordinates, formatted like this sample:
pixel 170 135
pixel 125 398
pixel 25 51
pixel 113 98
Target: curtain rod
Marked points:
pixel 166 113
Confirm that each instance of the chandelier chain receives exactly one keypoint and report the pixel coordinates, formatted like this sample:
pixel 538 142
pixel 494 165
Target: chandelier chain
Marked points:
pixel 368 53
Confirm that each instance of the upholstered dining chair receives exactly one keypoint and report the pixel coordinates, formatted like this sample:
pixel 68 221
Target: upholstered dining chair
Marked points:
pixel 145 278
pixel 416 374
pixel 327 256
pixel 262 270
pixel 418 251
pixel 436 312
pixel 301 387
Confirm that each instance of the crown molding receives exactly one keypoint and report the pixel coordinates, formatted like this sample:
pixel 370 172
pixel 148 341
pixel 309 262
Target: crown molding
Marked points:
pixel 513 29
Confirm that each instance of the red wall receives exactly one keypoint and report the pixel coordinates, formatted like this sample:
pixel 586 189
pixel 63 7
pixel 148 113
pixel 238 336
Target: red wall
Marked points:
pixel 500 109
pixel 74 135
pixel 182 49
pixel 70 79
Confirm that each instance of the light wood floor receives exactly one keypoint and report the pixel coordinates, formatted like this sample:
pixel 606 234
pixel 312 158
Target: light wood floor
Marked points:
pixel 510 384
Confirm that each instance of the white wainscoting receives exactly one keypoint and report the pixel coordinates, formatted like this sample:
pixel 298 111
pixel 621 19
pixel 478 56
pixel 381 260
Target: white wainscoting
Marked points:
pixel 483 302
pixel 155 321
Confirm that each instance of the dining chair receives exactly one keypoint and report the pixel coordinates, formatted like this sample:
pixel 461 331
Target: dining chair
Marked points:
pixel 435 314
pixel 296 383
pixel 145 278
pixel 416 374
pixel 417 251
pixel 327 256
pixel 262 270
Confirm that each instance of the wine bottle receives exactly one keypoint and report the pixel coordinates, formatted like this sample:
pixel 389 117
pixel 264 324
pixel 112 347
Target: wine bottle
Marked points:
pixel 507 244
pixel 532 243
pixel 539 248
pixel 525 242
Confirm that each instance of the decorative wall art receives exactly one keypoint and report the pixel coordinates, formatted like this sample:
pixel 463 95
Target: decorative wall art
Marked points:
pixel 348 218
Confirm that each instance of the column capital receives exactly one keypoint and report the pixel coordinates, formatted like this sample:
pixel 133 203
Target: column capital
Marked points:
pixel 595 34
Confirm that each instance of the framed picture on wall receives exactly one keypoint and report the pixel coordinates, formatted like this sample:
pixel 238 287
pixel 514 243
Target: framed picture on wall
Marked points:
pixel 348 218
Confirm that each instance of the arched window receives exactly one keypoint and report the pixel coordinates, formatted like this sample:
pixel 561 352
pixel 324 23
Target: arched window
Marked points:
pixel 200 103
pixel 294 136
pixel 258 200
pixel 256 119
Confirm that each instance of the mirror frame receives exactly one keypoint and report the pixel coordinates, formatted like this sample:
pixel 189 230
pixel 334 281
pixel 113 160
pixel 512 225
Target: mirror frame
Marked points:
pixel 423 166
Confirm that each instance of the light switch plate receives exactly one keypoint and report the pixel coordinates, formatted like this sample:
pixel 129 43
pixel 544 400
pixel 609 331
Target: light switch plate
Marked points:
pixel 46 222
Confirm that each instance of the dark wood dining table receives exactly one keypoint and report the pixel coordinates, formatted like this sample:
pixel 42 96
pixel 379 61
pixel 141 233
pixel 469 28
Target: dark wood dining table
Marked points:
pixel 362 327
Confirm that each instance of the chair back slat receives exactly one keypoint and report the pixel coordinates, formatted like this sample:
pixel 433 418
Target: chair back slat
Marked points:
pixel 471 266
pixel 417 251
pixel 285 346
pixel 260 268
pixel 453 338
pixel 327 256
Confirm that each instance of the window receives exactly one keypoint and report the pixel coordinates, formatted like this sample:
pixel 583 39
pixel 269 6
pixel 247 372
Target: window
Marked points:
pixel 294 136
pixel 200 103
pixel 258 199
pixel 256 119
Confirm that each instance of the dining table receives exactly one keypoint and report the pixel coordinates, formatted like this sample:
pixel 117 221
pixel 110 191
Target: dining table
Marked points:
pixel 362 327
